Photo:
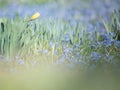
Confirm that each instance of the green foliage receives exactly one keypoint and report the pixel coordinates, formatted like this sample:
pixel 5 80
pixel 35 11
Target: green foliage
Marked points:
pixel 36 39
pixel 30 37
pixel 9 36
pixel 114 25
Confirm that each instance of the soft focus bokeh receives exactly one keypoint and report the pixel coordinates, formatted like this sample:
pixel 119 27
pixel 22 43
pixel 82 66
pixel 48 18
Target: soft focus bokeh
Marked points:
pixel 73 45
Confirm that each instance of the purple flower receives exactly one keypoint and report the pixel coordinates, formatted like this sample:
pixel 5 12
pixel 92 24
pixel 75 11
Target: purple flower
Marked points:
pixel 117 43
pixel 95 55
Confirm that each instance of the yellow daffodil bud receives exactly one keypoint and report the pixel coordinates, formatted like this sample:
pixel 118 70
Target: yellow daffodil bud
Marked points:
pixel 34 16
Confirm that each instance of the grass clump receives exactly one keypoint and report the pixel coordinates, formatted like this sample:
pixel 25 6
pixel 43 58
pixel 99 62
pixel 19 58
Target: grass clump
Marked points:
pixel 16 35
pixel 25 38
pixel 103 49
pixel 48 40
pixel 114 25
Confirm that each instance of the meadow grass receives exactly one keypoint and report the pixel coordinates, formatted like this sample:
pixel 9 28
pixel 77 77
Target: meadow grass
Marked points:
pixel 114 25
pixel 50 36
pixel 19 37
pixel 34 47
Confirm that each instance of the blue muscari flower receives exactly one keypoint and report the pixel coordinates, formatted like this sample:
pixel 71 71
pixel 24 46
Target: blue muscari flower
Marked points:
pixel 107 42
pixel 95 56
pixel 106 37
pixel 117 43
pixel 67 38
pixel 111 34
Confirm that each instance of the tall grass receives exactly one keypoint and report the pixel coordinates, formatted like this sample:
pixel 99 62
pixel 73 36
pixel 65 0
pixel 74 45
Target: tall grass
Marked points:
pixel 30 37
pixel 36 43
pixel 114 25
pixel 48 38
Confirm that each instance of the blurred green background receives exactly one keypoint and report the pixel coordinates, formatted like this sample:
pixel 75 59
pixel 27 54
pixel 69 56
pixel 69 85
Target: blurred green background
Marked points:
pixel 7 2
pixel 31 2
